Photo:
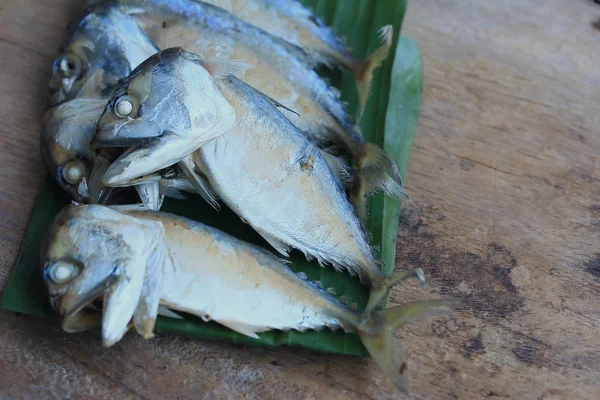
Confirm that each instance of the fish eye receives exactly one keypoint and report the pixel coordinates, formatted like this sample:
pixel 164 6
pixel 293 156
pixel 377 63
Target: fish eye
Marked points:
pixel 73 172
pixel 70 66
pixel 123 106
pixel 62 272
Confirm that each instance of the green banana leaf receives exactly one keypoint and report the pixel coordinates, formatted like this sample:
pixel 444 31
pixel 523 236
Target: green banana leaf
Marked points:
pixel 389 120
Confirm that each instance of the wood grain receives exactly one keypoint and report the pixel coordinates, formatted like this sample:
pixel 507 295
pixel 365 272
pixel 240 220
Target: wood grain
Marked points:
pixel 505 181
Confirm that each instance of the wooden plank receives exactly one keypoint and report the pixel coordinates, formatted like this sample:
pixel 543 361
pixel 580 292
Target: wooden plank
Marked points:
pixel 505 181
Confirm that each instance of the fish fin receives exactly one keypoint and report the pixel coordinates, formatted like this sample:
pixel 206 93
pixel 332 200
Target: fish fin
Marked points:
pixel 276 104
pixel 375 172
pixel 270 100
pixel 377 334
pixel 149 194
pixel 121 301
pixel 380 288
pixel 366 183
pixel 165 312
pixel 363 69
pixel 374 157
pixel 199 183
pixel 146 312
pixel 221 69
pixel 169 191
pixel 340 169
pixel 240 328
pixel 277 244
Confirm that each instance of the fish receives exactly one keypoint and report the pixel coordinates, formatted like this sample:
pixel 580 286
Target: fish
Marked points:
pixel 291 21
pixel 138 261
pixel 103 40
pixel 64 145
pixel 102 48
pixel 263 168
pixel 280 71
pixel 149 115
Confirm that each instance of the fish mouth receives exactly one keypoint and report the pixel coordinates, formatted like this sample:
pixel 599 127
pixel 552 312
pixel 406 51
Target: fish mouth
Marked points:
pixel 84 291
pixel 57 96
pixel 131 134
pixel 90 316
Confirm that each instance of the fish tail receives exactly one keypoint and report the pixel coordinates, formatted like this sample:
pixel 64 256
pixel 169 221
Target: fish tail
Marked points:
pixel 376 331
pixel 376 172
pixel 363 68
pixel 381 285
pixel 373 157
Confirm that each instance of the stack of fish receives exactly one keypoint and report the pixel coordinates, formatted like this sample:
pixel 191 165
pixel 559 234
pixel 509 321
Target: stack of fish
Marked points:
pixel 240 118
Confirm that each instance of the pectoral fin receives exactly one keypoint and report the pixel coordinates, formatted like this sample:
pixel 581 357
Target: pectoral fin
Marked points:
pixel 150 195
pixel 200 183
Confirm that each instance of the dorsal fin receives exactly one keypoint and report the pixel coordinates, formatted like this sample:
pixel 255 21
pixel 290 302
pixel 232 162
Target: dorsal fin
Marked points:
pixel 270 100
pixel 220 69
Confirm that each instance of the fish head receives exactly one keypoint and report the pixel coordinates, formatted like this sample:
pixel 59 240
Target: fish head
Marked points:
pixel 105 43
pixel 66 134
pixel 95 254
pixel 167 107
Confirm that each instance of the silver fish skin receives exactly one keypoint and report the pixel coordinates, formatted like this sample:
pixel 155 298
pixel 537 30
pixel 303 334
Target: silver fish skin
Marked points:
pixel 140 261
pixel 165 110
pixel 281 74
pixel 262 167
pixel 291 21
pixel 64 144
pixel 277 71
pixel 102 48
pixel 213 33
pixel 102 40
pixel 276 179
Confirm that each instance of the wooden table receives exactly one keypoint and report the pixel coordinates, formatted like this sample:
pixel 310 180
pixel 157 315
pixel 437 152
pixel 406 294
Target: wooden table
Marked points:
pixel 505 180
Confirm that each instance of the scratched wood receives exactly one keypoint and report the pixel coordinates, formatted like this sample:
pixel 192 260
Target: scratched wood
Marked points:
pixel 505 181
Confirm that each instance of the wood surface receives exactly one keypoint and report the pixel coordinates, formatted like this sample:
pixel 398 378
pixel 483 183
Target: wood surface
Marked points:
pixel 505 181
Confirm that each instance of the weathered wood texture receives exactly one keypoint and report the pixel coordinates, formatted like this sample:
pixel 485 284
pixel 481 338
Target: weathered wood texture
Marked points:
pixel 505 180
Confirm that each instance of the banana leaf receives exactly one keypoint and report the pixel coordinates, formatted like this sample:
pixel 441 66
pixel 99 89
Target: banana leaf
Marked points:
pixel 389 120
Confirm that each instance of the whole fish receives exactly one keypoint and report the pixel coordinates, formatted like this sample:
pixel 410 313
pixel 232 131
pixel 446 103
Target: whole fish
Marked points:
pixel 278 70
pixel 138 261
pixel 263 168
pixel 296 24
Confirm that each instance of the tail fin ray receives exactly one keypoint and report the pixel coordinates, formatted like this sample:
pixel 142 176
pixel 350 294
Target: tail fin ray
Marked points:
pixel 363 69
pixel 377 334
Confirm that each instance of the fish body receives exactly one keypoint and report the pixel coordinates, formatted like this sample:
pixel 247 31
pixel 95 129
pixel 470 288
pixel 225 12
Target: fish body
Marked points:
pixel 291 21
pixel 276 179
pixel 279 70
pixel 139 261
pixel 262 167
pixel 215 34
